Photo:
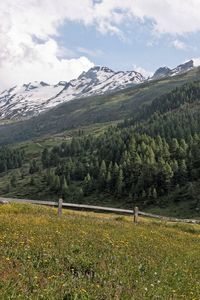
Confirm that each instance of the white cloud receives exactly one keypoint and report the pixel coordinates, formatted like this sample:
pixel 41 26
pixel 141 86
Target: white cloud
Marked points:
pixel 179 45
pixel 28 29
pixel 144 72
pixel 29 50
pixel 93 53
pixel 167 16
pixel 196 61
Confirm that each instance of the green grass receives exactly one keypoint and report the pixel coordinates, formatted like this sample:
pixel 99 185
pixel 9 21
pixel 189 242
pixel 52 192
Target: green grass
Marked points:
pixel 95 256
pixel 183 209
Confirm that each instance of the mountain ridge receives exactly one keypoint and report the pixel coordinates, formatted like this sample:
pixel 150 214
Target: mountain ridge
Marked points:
pixel 33 98
pixel 165 71
pixel 98 109
pixel 28 100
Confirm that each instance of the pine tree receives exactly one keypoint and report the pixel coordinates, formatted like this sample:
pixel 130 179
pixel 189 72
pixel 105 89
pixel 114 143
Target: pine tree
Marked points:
pixel 144 194
pixel 55 184
pixel 182 172
pixel 8 187
pixel 119 183
pixel 87 184
pixel 80 192
pixel 32 181
pixel 108 181
pixel 64 187
pixel 166 174
pixel 45 158
pixel 102 175
pixel 33 167
pixel 13 180
pixel 50 177
pixel 154 194
pixel 174 145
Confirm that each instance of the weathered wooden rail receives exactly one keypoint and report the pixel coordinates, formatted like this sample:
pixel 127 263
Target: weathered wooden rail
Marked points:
pixel 135 212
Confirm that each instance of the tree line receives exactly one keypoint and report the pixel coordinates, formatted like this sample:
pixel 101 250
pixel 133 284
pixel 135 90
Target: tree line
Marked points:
pixel 10 158
pixel 123 164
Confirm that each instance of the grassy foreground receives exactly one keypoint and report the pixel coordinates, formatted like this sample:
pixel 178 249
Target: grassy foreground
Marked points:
pixel 95 256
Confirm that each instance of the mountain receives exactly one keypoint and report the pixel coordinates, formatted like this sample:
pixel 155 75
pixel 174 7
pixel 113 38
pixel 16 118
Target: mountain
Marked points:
pixel 165 71
pixel 161 73
pixel 28 100
pixel 95 109
pixel 152 159
pixel 31 99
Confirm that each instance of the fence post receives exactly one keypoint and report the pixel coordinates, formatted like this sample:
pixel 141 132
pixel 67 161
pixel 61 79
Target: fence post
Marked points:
pixel 135 214
pixel 60 202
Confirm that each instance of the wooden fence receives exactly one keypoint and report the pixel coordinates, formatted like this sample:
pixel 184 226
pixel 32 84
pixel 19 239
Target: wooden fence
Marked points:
pixel 135 212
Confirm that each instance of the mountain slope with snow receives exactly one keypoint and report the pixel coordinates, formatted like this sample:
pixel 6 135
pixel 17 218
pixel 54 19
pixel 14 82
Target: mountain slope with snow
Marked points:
pixel 87 111
pixel 28 100
pixel 165 71
pixel 33 98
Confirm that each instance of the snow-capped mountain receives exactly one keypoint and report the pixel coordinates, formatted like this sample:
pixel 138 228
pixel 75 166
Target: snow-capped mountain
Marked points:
pixel 165 71
pixel 33 98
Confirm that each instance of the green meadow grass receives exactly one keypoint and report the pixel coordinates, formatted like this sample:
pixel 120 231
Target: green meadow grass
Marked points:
pixel 95 256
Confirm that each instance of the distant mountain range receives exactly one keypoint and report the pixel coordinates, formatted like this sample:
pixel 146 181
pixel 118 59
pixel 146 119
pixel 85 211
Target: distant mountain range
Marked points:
pixel 165 71
pixel 28 100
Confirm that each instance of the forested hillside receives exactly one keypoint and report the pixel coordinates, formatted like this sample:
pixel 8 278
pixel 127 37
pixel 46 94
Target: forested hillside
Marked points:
pixel 152 159
pixel 174 115
pixel 124 165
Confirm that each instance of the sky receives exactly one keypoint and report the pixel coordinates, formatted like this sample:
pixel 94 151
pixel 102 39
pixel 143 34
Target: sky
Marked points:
pixel 52 41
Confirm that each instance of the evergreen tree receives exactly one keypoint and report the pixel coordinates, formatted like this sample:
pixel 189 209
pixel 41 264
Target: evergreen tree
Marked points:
pixel 154 194
pixel 108 181
pixel 64 187
pixel 119 183
pixel 87 185
pixel 55 184
pixel 45 158
pixel 102 175
pixel 33 167
pixel 32 181
pixel 13 180
pixel 8 187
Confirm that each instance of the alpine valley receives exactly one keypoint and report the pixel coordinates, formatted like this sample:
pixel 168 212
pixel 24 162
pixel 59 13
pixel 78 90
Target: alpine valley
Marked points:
pixel 99 150
pixel 106 138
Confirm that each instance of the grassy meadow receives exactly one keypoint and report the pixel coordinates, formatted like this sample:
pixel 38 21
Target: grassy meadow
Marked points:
pixel 95 256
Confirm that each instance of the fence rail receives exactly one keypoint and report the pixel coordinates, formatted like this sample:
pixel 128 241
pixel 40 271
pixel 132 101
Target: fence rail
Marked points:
pixel 135 212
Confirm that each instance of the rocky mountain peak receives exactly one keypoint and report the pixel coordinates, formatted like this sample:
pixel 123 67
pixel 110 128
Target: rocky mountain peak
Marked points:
pixel 165 71
pixel 35 97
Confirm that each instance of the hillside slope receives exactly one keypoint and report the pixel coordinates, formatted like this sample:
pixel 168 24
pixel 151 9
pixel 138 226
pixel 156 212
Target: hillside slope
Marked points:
pixel 28 100
pixel 93 256
pixel 152 160
pixel 98 109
